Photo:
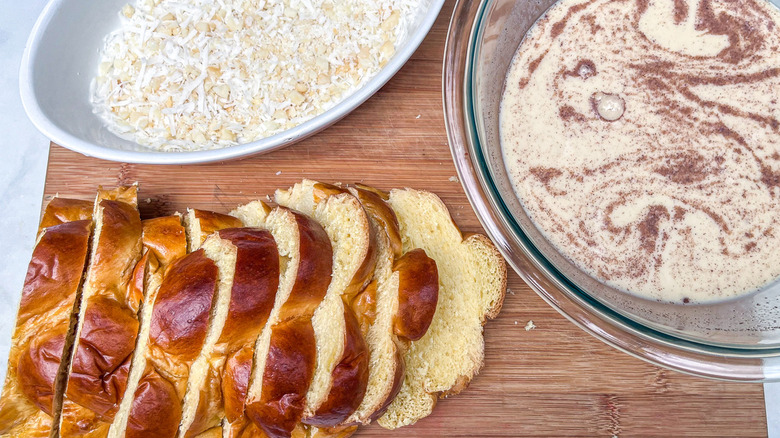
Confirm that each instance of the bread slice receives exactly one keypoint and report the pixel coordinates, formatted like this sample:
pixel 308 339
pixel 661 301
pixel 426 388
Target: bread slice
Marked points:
pixel 45 320
pixel 164 241
pixel 177 331
pixel 108 321
pixel 472 277
pixel 201 223
pixel 62 210
pixel 285 351
pixel 248 261
pixel 239 364
pixel 341 375
pixel 387 321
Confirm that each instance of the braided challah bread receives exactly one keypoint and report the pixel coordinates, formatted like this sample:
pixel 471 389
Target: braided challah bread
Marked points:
pixel 308 319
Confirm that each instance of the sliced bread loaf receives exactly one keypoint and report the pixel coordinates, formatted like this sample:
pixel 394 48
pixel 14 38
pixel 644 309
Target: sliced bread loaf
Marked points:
pixel 178 326
pixel 248 262
pixel 472 279
pixel 378 307
pixel 45 321
pixel 341 375
pixel 108 322
pixel 164 241
pixel 285 351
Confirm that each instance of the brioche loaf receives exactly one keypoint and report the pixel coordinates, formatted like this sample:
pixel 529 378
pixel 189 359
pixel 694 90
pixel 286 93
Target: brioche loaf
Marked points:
pixel 341 375
pixel 395 308
pixel 356 306
pixel 472 279
pixel 285 351
pixel 107 323
pixel 248 262
pixel 45 319
pixel 164 241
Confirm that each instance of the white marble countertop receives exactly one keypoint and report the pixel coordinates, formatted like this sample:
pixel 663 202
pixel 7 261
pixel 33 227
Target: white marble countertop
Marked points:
pixel 22 167
pixel 23 171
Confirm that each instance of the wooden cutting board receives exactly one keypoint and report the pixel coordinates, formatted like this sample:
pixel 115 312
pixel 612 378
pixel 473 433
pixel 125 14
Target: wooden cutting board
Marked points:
pixel 554 380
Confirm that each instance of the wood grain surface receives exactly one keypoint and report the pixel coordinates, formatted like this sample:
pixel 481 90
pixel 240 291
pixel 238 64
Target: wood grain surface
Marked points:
pixel 554 380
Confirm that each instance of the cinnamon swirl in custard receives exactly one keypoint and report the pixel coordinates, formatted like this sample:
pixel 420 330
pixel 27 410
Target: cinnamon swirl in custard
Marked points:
pixel 643 139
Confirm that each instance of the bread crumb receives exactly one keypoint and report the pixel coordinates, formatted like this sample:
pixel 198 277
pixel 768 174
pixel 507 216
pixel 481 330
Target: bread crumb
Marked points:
pixel 530 326
pixel 418 116
pixel 279 173
pixel 454 179
pixel 148 200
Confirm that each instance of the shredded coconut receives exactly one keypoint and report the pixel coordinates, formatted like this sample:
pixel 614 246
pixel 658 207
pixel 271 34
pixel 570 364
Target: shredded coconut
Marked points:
pixel 530 326
pixel 203 74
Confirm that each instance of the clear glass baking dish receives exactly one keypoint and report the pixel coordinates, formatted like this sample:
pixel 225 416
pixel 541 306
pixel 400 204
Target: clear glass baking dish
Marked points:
pixel 733 340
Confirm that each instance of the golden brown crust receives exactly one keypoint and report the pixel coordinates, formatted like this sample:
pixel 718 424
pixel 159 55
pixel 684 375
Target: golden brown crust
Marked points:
pixel 62 210
pixel 314 271
pixel 374 204
pixel 208 413
pixel 252 297
pixel 89 424
pixel 210 222
pixel 155 400
pixel 181 311
pixel 254 284
pixel 125 194
pixel 350 378
pixel 418 293
pixel 364 306
pixel 48 296
pixel 109 323
pixel 381 193
pixel 38 366
pixel 288 372
pixel 135 290
pixel 235 382
pixel 245 429
pixel 55 270
pixel 154 406
pixel 100 364
pixel 290 362
pixel 165 238
pixel 365 272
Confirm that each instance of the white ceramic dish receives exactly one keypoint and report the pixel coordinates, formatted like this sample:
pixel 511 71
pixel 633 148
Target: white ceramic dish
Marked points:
pixel 61 59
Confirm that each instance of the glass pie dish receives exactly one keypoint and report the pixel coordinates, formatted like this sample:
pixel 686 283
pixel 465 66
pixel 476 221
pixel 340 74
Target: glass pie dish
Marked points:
pixel 736 339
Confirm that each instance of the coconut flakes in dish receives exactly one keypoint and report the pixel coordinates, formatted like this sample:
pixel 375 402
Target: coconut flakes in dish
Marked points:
pixel 204 74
